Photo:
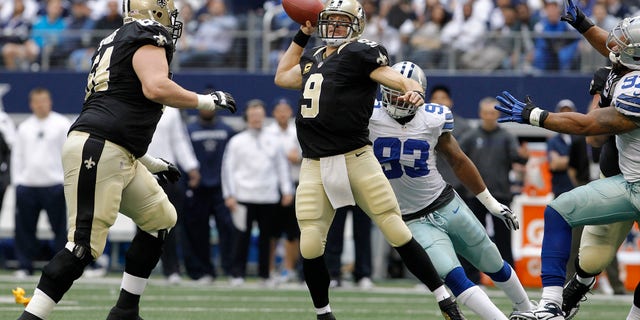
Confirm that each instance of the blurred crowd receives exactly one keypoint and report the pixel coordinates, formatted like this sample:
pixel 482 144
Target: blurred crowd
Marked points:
pixel 479 35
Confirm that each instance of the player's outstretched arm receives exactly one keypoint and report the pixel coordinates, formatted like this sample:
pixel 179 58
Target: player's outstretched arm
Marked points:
pixel 596 36
pixel 288 73
pixel 599 121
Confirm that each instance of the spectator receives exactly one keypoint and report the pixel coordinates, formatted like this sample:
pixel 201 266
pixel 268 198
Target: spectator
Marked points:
pixel 558 155
pixel 618 9
pixel 493 150
pixel 109 22
pixel 426 46
pixel 213 39
pixel 362 244
pixel 209 137
pixel 19 51
pixel 74 48
pixel 555 46
pixel 49 28
pixel 286 223
pixel 171 143
pixel 7 138
pixel 589 57
pixel 465 33
pixel 255 174
pixel 39 184
pixel 7 8
pixel 379 29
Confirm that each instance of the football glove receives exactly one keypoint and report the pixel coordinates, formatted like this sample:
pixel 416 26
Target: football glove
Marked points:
pixel 163 169
pixel 520 112
pixel 217 100
pixel 498 209
pixel 575 17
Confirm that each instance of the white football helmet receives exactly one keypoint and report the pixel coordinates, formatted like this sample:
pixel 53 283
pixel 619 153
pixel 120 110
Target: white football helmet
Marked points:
pixel 624 43
pixel 349 8
pixel 162 11
pixel 400 109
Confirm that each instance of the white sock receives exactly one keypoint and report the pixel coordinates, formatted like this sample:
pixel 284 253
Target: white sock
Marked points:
pixel 441 293
pixel 323 310
pixel 478 301
pixel 586 281
pixel 634 313
pixel 133 284
pixel 40 305
pixel 551 294
pixel 514 290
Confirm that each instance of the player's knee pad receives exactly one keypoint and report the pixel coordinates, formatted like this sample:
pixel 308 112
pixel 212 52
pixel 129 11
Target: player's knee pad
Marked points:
pixel 158 217
pixel 490 260
pixel 393 228
pixel 143 254
pixel 63 269
pixel 312 242
pixel 311 202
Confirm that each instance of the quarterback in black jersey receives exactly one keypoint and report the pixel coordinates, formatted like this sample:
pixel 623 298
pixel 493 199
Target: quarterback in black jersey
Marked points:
pixel 104 157
pixel 338 84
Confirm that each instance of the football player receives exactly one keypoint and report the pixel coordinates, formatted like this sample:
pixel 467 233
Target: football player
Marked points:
pixel 406 139
pixel 104 157
pixel 603 201
pixel 338 83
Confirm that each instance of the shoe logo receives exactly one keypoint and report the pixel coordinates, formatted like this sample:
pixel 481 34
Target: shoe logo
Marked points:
pixel 456 210
pixel 89 163
pixel 360 153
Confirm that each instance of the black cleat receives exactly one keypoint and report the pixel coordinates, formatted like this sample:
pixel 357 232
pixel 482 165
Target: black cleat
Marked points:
pixel 450 309
pixel 326 316
pixel 573 293
pixel 123 314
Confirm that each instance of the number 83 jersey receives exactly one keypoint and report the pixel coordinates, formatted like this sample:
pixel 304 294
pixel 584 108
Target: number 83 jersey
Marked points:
pixel 407 153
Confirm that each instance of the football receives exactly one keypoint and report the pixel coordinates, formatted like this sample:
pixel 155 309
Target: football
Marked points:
pixel 302 10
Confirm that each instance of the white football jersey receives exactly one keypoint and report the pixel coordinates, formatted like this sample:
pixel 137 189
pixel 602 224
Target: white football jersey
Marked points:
pixel 407 153
pixel 626 99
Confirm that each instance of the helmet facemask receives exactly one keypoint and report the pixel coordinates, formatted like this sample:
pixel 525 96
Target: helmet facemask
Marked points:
pixel 390 97
pixel 624 43
pixel 162 11
pixel 340 14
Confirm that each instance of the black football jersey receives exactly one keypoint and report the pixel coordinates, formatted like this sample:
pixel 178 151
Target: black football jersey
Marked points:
pixel 603 82
pixel 115 107
pixel 337 98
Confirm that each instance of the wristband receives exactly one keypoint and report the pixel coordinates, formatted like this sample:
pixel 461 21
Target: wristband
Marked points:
pixel 538 116
pixel 584 25
pixel 420 93
pixel 301 38
pixel 205 102
pixel 488 201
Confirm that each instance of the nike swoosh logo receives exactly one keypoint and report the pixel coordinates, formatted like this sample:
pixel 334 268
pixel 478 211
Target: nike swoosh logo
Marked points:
pixel 359 154
pixel 456 210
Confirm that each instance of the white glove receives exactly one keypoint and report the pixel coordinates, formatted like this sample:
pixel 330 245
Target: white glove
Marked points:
pixel 217 100
pixel 498 209
pixel 165 170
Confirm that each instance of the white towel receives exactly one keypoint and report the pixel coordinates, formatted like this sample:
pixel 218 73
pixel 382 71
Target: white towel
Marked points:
pixel 239 217
pixel 333 172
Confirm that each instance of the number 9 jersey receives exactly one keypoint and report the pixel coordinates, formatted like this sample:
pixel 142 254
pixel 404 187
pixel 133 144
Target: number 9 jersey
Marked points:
pixel 407 153
pixel 115 107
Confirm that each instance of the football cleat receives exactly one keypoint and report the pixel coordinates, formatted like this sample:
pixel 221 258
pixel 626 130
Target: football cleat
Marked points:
pixel 546 311
pixel 123 314
pixel 573 293
pixel 450 309
pixel 18 294
pixel 326 316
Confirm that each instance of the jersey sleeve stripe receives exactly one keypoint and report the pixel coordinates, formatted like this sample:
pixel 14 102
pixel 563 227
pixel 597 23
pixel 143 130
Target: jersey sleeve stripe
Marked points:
pixel 628 103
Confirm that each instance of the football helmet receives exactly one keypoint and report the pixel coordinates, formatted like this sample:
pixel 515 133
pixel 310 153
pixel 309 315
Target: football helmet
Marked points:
pixel 162 11
pixel 624 43
pixel 400 109
pixel 326 27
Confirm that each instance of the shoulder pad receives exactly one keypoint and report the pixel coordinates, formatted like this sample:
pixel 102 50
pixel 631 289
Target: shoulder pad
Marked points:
pixel 442 113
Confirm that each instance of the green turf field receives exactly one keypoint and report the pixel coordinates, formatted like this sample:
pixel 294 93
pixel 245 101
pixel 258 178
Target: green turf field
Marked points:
pixel 91 299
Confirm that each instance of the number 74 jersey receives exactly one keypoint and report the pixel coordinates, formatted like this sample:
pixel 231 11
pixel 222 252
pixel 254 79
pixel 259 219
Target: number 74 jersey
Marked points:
pixel 407 153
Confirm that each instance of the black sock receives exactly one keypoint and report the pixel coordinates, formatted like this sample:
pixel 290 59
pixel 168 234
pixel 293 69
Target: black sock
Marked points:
pixel 317 276
pixel 636 296
pixel 127 300
pixel 419 263
pixel 28 316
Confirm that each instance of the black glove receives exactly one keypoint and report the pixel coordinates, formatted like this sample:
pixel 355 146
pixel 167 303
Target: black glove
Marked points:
pixel 224 100
pixel 575 17
pixel 172 174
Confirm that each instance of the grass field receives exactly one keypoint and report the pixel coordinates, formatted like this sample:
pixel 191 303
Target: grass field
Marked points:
pixel 91 299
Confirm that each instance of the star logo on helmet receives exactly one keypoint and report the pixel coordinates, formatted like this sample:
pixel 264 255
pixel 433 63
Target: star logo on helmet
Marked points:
pixel 160 40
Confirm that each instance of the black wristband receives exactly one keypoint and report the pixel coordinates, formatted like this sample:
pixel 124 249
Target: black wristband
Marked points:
pixel 543 116
pixel 301 38
pixel 584 25
pixel 420 93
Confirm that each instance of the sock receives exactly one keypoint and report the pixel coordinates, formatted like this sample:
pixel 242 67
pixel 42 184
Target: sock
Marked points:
pixel 317 277
pixel 556 247
pixel 634 313
pixel 457 281
pixel 40 305
pixel 478 301
pixel 323 310
pixel 441 293
pixel 586 281
pixel 551 294
pixel 131 289
pixel 419 263
pixel 507 280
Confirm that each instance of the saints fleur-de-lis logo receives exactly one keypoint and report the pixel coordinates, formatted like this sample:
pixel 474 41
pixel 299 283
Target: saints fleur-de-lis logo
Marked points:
pixel 89 163
pixel 160 40
pixel 382 60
